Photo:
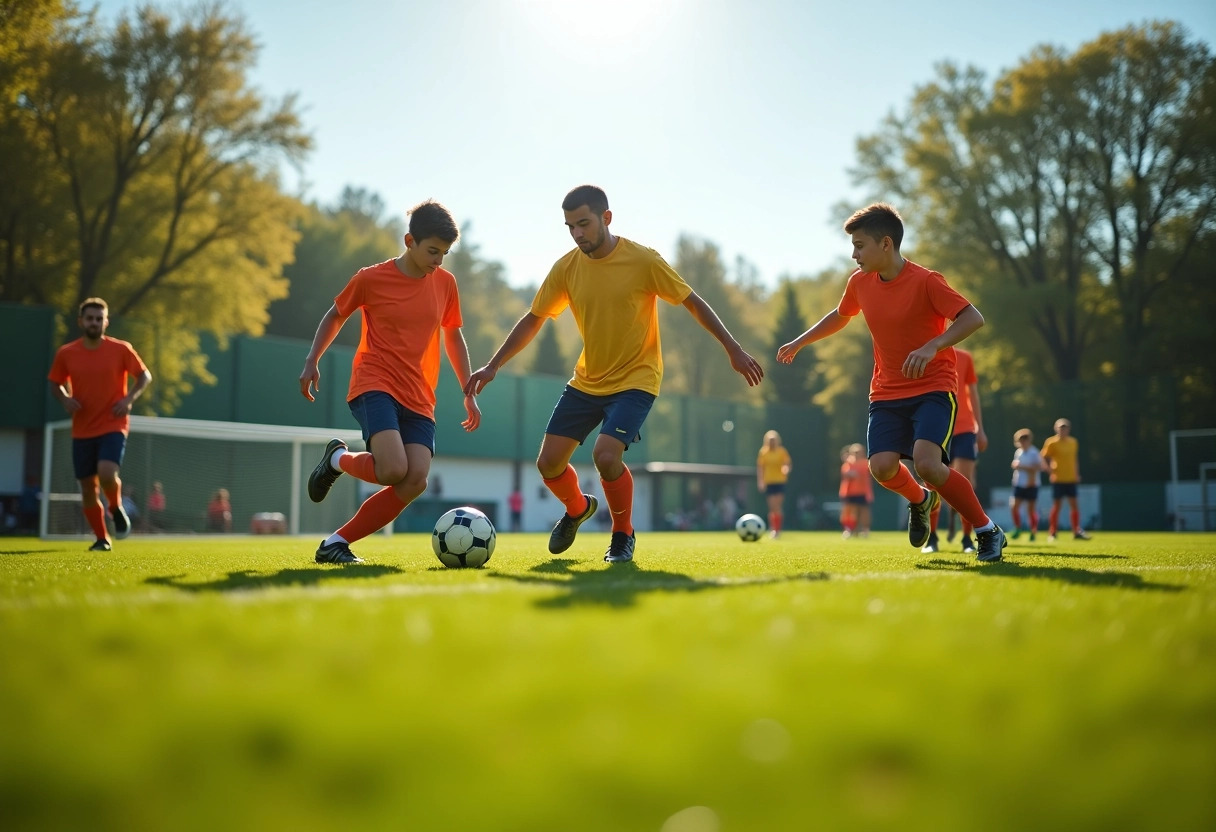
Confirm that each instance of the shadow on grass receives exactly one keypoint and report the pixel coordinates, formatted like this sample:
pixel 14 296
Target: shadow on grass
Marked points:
pixel 622 583
pixel 247 579
pixel 1047 553
pixel 21 551
pixel 1067 574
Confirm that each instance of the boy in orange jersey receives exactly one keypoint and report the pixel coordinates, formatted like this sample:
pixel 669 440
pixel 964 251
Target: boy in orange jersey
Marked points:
pixel 94 369
pixel 912 392
pixel 406 302
pixel 1060 452
pixel 856 492
pixel 965 446
pixel 772 473
pixel 611 285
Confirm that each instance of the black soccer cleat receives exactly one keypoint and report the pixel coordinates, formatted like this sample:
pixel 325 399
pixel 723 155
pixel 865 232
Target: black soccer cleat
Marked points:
pixel 931 545
pixel 338 552
pixel 122 523
pixel 324 476
pixel 620 550
pixel 919 524
pixel 989 544
pixel 101 546
pixel 567 528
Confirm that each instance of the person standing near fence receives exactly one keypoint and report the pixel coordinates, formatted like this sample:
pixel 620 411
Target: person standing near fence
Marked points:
pixel 1061 452
pixel 1027 464
pixel 772 473
pixel 89 378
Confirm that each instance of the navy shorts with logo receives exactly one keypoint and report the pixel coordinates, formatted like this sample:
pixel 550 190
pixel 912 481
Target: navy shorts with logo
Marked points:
pixel 577 413
pixel 86 453
pixel 376 411
pixel 895 425
pixel 963 446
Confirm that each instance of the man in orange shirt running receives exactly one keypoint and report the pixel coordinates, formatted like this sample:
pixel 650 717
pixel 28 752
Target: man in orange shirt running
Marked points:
pixel 965 446
pixel 406 303
pixel 611 284
pixel 89 378
pixel 912 392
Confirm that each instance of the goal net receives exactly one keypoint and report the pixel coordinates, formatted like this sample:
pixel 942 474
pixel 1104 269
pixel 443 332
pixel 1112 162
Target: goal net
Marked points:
pixel 1192 493
pixel 264 469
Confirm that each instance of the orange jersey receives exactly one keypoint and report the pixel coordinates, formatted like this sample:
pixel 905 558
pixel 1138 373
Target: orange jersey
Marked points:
pixel 965 421
pixel 399 348
pixel 98 379
pixel 903 315
pixel 855 480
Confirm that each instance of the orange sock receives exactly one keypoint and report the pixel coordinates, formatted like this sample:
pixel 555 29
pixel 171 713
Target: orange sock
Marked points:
pixel 1053 522
pixel 778 520
pixel 361 466
pixel 1074 515
pixel 967 527
pixel 934 516
pixel 1034 521
pixel 566 488
pixel 114 494
pixel 1016 513
pixel 377 511
pixel 619 495
pixel 957 491
pixel 96 516
pixel 904 485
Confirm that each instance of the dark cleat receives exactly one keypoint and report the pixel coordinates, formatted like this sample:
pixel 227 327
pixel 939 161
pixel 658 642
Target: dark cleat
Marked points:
pixel 1081 535
pixel 968 546
pixel 338 552
pixel 989 544
pixel 931 546
pixel 620 550
pixel 919 526
pixel 324 476
pixel 100 546
pixel 122 523
pixel 567 528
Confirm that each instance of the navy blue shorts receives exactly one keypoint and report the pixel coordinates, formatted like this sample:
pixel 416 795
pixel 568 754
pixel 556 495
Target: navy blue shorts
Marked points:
pixel 774 488
pixel 1060 490
pixel 86 453
pixel 1026 492
pixel 856 500
pixel 376 411
pixel 895 425
pixel 962 446
pixel 577 413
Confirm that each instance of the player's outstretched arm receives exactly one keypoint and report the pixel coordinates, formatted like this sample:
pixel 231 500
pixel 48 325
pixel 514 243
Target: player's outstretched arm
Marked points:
pixel 458 355
pixel 740 361
pixel 327 331
pixel 829 324
pixel 521 335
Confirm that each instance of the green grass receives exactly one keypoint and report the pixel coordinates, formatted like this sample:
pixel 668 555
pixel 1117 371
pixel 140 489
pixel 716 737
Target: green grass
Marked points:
pixel 803 683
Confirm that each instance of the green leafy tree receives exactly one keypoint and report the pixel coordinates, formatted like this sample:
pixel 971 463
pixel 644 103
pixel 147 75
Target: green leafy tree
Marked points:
pixel 790 383
pixel 548 359
pixel 489 305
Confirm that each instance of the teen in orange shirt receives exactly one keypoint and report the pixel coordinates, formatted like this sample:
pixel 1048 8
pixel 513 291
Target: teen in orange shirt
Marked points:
pixel 772 473
pixel 406 303
pixel 611 285
pixel 912 392
pixel 965 446
pixel 89 378
pixel 856 492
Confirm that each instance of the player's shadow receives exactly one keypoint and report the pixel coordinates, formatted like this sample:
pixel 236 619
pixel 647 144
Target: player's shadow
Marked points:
pixel 1067 574
pixel 622 583
pixel 251 579
pixel 1047 553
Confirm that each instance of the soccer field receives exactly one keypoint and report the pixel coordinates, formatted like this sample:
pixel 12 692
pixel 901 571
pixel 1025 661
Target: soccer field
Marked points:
pixel 802 683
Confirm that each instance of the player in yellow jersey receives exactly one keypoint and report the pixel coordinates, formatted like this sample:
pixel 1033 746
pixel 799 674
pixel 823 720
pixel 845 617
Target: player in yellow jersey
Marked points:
pixel 611 285
pixel 772 473
pixel 1060 453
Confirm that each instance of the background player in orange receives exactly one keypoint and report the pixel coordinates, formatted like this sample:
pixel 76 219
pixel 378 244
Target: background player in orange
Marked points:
pixel 912 392
pixel 772 473
pixel 1061 453
pixel 965 446
pixel 856 491
pixel 611 285
pixel 406 303
pixel 89 378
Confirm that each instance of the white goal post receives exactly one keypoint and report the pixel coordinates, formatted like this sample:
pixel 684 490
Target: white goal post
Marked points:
pixel 263 467
pixel 1191 474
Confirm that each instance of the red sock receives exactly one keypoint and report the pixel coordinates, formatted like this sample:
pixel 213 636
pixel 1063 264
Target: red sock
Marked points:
pixel 778 521
pixel 96 516
pixel 849 524
pixel 957 491
pixel 377 511
pixel 114 494
pixel 968 528
pixel 1075 516
pixel 361 466
pixel 566 488
pixel 619 494
pixel 1034 521
pixel 904 485
pixel 934 516
pixel 1016 511
pixel 1053 519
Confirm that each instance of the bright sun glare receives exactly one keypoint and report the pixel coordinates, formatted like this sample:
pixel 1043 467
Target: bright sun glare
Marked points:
pixel 579 25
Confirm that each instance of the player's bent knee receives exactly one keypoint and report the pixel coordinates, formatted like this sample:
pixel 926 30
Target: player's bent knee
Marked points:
pixel 390 474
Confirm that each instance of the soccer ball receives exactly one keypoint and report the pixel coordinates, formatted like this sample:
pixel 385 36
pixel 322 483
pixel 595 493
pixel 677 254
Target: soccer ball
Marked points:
pixel 463 537
pixel 750 527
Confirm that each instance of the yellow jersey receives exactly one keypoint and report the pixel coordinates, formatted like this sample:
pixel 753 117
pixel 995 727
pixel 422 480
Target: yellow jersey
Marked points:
pixel 613 300
pixel 770 462
pixel 1062 455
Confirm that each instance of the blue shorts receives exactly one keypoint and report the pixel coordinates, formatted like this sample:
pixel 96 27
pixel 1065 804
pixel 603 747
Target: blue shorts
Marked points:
pixel 577 413
pixel 1026 492
pixel 895 425
pixel 962 446
pixel 86 453
pixel 774 488
pixel 1060 490
pixel 376 411
pixel 856 500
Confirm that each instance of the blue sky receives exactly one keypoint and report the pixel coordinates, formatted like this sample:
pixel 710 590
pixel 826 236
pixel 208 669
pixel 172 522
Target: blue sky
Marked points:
pixel 732 120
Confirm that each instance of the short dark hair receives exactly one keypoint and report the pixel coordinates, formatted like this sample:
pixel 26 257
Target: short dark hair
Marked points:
pixel 432 219
pixel 878 220
pixel 89 303
pixel 589 195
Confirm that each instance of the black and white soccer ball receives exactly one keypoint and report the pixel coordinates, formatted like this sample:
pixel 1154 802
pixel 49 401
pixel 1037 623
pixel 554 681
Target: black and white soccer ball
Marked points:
pixel 750 527
pixel 463 537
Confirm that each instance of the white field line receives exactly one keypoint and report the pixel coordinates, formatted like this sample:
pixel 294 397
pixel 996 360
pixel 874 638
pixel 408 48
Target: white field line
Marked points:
pixel 189 593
